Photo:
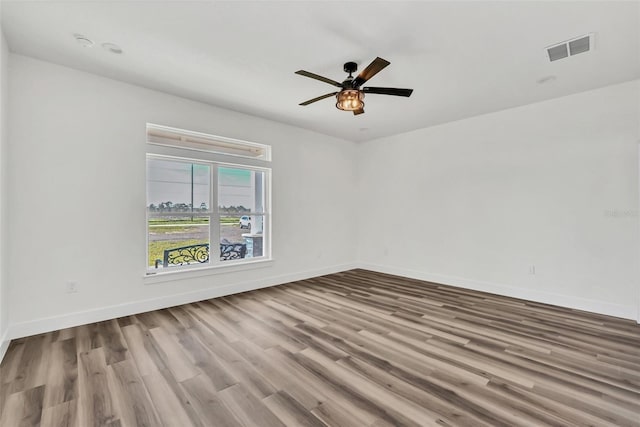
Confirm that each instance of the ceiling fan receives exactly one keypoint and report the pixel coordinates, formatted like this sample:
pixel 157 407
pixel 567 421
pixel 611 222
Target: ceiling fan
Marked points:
pixel 351 95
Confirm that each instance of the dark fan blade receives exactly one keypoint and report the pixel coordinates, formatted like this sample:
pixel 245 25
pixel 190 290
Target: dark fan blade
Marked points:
pixel 388 91
pixel 311 101
pixel 317 77
pixel 372 69
pixel 360 111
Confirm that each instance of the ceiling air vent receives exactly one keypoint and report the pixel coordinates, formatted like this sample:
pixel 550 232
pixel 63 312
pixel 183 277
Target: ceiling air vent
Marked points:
pixel 570 47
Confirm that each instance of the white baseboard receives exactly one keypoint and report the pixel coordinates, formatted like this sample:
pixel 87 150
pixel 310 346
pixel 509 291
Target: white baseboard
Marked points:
pixel 593 306
pixel 48 324
pixel 4 344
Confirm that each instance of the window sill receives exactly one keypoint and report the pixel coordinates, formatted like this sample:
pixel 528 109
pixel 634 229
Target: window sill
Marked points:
pixel 170 276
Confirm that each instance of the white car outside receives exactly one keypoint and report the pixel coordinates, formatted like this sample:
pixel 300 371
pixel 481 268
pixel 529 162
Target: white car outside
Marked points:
pixel 245 221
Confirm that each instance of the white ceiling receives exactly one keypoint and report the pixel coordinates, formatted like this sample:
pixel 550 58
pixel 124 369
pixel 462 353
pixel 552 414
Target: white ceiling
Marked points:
pixel 461 58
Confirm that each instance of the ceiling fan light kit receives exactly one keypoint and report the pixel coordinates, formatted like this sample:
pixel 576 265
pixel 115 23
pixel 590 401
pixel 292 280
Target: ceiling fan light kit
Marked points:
pixel 350 100
pixel 350 97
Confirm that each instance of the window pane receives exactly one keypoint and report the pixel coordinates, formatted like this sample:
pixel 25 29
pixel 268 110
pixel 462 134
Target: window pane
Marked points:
pixel 232 245
pixel 241 236
pixel 240 191
pixel 179 240
pixel 174 186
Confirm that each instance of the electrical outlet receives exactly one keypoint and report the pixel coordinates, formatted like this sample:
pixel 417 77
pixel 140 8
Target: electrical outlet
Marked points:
pixel 71 287
pixel 532 269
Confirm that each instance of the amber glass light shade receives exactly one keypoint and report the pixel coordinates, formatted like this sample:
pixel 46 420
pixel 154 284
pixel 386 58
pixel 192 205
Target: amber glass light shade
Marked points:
pixel 350 100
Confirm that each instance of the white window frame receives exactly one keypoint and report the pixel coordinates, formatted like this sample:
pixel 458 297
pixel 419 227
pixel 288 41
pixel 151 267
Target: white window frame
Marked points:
pixel 214 160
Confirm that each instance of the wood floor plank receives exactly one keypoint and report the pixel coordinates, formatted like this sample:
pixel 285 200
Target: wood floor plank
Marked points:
pixel 10 364
pixel 23 409
pixel 234 364
pixel 173 355
pixel 330 395
pixel 32 367
pixel 356 348
pixel 142 349
pixel 62 415
pixel 97 405
pixel 112 342
pixel 247 408
pixel 169 322
pixel 133 400
pixel 83 341
pixel 290 411
pixel 62 374
pixel 172 409
pixel 214 321
pixel 363 393
pixel 206 402
pixel 442 401
pixel 548 411
pixel 272 365
pixel 335 415
pixel 206 362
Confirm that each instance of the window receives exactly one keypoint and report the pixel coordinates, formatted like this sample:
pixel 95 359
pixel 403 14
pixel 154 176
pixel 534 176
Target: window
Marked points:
pixel 202 211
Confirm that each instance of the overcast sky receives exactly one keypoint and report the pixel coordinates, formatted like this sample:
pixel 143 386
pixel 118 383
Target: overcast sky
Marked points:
pixel 171 181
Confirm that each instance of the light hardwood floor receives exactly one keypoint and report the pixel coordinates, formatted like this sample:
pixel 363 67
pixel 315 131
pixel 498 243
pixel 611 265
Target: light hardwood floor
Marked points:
pixel 349 349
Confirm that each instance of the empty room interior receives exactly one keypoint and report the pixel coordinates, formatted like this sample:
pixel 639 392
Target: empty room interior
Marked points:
pixel 319 213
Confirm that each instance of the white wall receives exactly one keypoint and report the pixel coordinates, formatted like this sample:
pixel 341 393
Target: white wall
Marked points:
pixel 77 193
pixel 472 203
pixel 475 203
pixel 4 285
